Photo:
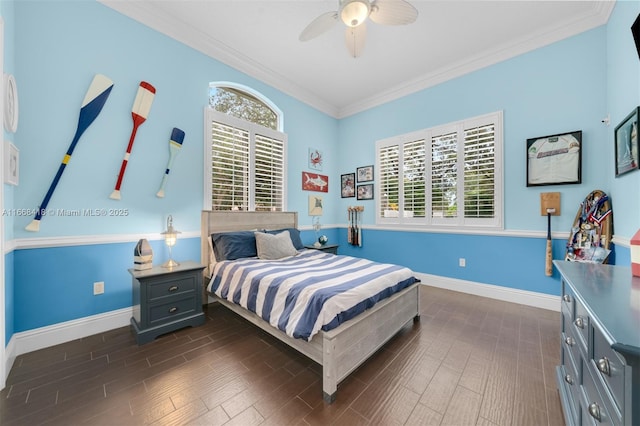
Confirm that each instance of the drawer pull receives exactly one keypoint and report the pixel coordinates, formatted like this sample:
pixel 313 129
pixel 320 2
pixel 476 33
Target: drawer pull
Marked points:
pixel 568 379
pixel 173 288
pixel 594 411
pixel 604 366
pixel 569 341
pixel 566 298
pixel 172 310
pixel 579 322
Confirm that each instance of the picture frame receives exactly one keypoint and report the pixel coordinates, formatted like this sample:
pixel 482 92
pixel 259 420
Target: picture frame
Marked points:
pixel 316 158
pixel 555 159
pixel 365 192
pixel 11 164
pixel 315 205
pixel 626 143
pixel 364 174
pixel 348 185
pixel 315 182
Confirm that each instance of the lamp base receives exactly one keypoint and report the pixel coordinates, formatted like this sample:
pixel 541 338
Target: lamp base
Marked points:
pixel 170 264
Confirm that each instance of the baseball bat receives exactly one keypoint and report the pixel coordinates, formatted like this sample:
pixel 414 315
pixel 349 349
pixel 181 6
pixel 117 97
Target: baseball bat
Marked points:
pixel 548 267
pixel 177 136
pixel 139 112
pixel 92 104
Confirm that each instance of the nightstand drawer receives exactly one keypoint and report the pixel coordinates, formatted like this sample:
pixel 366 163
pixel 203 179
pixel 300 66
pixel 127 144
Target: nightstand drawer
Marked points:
pixel 609 367
pixel 171 287
pixel 173 309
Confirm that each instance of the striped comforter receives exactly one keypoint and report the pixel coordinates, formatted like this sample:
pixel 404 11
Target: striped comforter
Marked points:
pixel 308 292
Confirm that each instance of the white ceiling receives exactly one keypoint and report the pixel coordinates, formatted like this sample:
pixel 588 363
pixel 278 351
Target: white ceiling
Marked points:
pixel 449 38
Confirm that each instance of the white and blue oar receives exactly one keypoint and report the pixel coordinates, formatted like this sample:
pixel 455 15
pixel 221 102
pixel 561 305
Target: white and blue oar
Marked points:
pixel 177 136
pixel 92 104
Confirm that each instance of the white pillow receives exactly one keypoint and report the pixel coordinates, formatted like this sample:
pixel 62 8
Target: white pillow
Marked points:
pixel 274 246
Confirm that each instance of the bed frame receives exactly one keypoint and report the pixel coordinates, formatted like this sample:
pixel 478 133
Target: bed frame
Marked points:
pixel 341 350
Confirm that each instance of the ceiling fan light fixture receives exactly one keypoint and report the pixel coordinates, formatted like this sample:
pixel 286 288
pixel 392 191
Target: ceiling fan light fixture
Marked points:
pixel 354 12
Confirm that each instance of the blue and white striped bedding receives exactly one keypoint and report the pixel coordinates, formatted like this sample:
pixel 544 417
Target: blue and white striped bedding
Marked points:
pixel 308 292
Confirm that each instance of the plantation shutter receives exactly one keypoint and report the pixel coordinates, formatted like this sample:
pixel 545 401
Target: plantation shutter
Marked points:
pixel 247 165
pixel 388 168
pixel 414 178
pixel 479 172
pixel 444 175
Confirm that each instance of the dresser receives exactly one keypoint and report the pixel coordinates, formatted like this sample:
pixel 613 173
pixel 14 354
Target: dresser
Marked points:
pixel 166 300
pixel 599 375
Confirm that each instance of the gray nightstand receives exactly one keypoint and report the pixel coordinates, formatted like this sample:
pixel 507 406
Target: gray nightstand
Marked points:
pixel 166 300
pixel 327 248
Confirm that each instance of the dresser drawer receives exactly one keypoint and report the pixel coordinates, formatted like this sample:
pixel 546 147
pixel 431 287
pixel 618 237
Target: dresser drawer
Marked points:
pixel 570 345
pixel 593 408
pixel 581 326
pixel 174 309
pixel 568 299
pixel 610 367
pixel 572 378
pixel 171 287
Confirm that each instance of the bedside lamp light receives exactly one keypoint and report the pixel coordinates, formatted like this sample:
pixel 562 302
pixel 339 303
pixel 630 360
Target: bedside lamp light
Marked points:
pixel 170 238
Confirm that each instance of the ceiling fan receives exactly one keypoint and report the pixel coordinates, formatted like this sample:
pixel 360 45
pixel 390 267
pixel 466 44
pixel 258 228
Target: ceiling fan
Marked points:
pixel 354 13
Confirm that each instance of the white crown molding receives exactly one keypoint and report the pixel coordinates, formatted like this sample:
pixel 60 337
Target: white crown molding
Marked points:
pixel 145 13
pixel 516 47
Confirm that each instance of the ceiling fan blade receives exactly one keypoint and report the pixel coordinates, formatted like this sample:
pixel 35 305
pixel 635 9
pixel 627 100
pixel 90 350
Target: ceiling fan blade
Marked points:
pixel 393 12
pixel 321 24
pixel 355 38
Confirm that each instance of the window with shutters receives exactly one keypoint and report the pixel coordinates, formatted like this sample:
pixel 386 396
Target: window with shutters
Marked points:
pixel 245 154
pixel 449 175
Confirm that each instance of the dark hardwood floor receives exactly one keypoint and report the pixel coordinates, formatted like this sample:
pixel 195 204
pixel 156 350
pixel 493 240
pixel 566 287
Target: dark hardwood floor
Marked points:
pixel 469 361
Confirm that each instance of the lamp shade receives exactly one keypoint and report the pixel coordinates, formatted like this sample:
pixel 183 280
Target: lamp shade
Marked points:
pixel 170 238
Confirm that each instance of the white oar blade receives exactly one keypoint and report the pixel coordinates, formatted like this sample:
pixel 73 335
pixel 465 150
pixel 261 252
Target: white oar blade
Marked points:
pixel 393 12
pixel 144 99
pixel 99 84
pixel 318 26
pixel 355 38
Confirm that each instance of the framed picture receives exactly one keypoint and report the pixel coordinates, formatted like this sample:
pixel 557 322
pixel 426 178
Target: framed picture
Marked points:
pixel 11 164
pixel 315 205
pixel 348 185
pixel 315 182
pixel 315 159
pixel 555 159
pixel 365 192
pixel 365 174
pixel 626 143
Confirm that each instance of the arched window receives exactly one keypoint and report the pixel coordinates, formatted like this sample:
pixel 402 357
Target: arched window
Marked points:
pixel 245 153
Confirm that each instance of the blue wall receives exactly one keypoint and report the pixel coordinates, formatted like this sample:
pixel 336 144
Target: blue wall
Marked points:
pixel 570 85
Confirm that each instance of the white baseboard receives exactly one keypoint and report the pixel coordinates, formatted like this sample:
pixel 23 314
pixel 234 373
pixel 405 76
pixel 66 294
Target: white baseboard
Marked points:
pixel 39 338
pixel 522 297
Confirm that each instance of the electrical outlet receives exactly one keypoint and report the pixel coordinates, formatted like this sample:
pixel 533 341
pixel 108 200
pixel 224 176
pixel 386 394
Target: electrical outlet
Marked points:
pixel 462 262
pixel 98 287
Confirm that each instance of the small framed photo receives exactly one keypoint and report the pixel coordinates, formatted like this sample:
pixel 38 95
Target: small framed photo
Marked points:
pixel 365 174
pixel 626 143
pixel 315 205
pixel 555 159
pixel 11 164
pixel 348 185
pixel 365 192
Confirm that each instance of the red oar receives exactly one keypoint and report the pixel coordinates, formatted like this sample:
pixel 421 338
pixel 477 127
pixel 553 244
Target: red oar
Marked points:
pixel 139 112
pixel 92 104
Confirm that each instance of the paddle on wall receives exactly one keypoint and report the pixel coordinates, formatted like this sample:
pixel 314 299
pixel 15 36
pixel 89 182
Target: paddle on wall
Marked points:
pixel 139 112
pixel 92 104
pixel 175 143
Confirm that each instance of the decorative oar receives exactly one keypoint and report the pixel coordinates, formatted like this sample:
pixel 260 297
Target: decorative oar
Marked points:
pixel 139 112
pixel 92 104
pixel 177 136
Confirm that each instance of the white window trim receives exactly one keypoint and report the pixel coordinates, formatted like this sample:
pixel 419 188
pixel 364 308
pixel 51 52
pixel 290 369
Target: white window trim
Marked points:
pixel 497 223
pixel 212 115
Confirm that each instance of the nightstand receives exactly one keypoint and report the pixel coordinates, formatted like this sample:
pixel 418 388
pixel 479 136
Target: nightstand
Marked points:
pixel 166 300
pixel 327 248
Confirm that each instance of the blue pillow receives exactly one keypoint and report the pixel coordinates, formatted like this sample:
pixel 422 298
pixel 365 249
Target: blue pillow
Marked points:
pixel 293 232
pixel 234 245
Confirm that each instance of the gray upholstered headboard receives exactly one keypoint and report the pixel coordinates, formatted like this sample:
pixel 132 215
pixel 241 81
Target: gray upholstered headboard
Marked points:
pixel 226 221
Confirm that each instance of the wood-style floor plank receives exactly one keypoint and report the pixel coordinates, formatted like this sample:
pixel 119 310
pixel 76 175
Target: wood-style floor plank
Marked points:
pixel 469 361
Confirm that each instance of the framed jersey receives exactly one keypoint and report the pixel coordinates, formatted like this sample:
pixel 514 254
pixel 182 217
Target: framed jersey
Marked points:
pixel 555 159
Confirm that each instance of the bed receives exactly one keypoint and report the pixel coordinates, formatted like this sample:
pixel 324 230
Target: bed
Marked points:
pixel 340 350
